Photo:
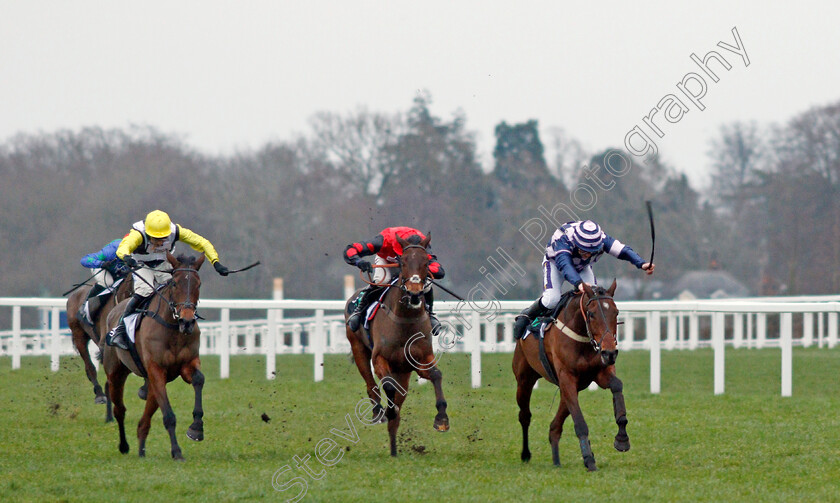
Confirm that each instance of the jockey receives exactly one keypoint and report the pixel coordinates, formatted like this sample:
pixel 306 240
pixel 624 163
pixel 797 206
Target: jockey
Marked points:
pixel 147 244
pixel 569 256
pixel 387 249
pixel 106 271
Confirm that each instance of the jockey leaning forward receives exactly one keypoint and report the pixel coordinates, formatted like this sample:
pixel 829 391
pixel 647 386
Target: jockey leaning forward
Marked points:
pixel 387 250
pixel 146 245
pixel 569 256
pixel 106 270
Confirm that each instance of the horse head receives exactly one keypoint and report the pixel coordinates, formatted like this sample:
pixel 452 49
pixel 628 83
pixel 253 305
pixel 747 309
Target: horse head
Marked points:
pixel 601 317
pixel 414 269
pixel 185 286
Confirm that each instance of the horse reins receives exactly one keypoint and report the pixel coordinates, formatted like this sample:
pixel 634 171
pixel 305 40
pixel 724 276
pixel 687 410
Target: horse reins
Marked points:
pixel 595 344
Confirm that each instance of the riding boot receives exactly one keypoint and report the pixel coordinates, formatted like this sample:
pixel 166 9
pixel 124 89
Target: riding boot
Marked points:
pixel 93 303
pixel 530 313
pixel 362 302
pixel 118 336
pixel 430 299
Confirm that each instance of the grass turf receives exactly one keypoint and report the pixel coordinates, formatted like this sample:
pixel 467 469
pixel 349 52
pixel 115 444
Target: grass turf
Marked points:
pixel 749 444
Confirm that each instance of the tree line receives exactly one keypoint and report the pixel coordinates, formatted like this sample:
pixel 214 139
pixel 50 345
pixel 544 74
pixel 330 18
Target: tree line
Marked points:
pixel 771 216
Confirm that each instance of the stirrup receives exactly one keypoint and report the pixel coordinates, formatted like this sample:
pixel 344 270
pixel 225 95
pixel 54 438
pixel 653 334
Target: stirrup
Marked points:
pixel 82 316
pixel 116 337
pixel 354 321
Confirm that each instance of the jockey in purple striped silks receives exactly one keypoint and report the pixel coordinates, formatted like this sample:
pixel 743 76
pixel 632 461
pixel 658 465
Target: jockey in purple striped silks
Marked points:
pixel 569 256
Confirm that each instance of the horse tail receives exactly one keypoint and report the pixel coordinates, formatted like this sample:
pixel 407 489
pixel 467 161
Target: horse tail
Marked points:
pixel 99 355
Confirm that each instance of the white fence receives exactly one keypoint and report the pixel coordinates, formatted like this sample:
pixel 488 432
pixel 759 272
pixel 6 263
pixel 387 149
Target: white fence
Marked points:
pixel 649 325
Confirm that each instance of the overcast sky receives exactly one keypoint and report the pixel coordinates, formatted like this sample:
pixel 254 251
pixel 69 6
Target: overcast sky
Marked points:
pixel 231 75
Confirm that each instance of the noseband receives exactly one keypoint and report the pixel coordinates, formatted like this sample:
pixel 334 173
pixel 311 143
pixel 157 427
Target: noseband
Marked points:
pixel 413 279
pixel 595 344
pixel 176 308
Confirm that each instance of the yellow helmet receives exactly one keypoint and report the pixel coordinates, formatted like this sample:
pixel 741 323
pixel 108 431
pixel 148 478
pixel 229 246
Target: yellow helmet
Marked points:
pixel 158 224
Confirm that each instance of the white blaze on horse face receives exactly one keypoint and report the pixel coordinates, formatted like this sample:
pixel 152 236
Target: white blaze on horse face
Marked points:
pixel 414 279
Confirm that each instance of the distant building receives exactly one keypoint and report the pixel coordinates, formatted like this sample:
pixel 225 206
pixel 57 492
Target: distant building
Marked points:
pixel 710 284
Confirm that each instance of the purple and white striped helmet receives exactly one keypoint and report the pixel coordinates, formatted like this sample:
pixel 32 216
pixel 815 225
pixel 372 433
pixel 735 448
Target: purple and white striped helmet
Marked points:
pixel 588 236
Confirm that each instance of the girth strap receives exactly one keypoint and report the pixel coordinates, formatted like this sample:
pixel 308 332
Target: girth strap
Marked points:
pixel 549 370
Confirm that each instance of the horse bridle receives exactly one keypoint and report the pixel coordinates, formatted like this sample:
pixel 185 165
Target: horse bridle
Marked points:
pixel 174 307
pixel 412 279
pixel 595 344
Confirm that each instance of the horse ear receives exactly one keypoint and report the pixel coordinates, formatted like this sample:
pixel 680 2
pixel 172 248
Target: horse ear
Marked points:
pixel 588 290
pixel 172 260
pixel 425 242
pixel 401 241
pixel 611 289
pixel 199 261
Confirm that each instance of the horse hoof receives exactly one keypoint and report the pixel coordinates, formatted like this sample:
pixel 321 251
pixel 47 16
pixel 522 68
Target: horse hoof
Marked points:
pixel 622 445
pixel 442 425
pixel 590 465
pixel 100 399
pixel 123 448
pixel 525 456
pixel 109 419
pixel 142 393
pixel 197 435
pixel 177 456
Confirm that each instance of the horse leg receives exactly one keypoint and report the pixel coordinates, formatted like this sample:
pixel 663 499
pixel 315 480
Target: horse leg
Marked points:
pixel 397 398
pixel 143 391
pixel 157 388
pixel 431 372
pixel 390 386
pixel 362 357
pixel 526 377
pixel 569 396
pixel 555 431
pixel 606 379
pixel 80 340
pixel 145 424
pixel 115 385
pixel 192 375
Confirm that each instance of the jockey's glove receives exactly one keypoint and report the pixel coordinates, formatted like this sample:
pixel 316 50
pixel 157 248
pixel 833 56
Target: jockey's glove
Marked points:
pixel 224 271
pixel 364 265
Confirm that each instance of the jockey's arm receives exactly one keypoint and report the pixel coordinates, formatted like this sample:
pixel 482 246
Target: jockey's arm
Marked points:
pixel 354 252
pixel 198 243
pixel 563 261
pixel 621 251
pixel 129 243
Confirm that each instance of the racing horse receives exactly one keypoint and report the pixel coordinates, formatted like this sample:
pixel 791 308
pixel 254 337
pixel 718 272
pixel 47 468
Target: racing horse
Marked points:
pixel 166 342
pixel 82 333
pixel 400 341
pixel 580 347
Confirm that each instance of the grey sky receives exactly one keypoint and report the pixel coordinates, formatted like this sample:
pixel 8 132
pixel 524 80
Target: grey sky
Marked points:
pixel 233 75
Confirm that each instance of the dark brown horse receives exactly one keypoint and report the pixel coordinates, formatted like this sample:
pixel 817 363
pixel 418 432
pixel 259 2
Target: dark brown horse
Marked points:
pixel 402 342
pixel 167 342
pixel 82 333
pixel 580 347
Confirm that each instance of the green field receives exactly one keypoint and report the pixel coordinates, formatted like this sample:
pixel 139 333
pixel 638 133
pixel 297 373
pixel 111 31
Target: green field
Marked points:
pixel 687 444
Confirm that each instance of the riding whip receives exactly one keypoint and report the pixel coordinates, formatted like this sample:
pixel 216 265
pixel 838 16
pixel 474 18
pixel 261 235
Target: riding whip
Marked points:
pixel 652 230
pixel 450 292
pixel 255 264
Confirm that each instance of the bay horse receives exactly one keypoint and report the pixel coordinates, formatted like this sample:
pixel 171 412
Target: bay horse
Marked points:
pixel 574 361
pixel 81 332
pixel 401 335
pixel 167 343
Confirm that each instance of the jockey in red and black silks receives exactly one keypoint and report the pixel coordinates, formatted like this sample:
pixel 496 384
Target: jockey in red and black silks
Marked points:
pixel 386 250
